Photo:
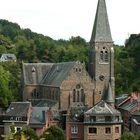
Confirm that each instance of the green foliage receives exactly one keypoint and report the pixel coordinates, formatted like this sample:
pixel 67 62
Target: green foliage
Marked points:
pixel 53 133
pixel 5 91
pixel 25 133
pixel 32 47
pixel 130 136
pixel 127 64
pixel 14 80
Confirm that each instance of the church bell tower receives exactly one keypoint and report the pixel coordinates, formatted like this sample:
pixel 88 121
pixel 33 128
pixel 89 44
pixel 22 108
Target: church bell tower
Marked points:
pixel 101 54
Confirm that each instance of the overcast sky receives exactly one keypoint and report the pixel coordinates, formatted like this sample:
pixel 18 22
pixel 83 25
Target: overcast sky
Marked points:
pixel 66 18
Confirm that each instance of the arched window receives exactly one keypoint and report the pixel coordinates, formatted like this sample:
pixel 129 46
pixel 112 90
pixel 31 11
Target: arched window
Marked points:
pixel 104 55
pixel 78 93
pixel 82 95
pixel 78 100
pixel 74 95
pixel 101 56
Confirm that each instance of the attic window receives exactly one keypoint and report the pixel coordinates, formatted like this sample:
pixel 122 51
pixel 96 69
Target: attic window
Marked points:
pixel 93 118
pixel 108 118
pixel 33 69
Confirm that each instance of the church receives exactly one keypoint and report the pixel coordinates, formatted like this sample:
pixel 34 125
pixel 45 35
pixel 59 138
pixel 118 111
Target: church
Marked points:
pixel 67 84
pixel 86 97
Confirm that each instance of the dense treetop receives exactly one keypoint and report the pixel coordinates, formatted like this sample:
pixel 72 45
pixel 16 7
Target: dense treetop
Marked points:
pixel 33 47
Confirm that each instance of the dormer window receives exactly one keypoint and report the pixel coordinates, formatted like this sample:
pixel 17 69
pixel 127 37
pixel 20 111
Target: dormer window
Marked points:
pixel 93 118
pixel 108 118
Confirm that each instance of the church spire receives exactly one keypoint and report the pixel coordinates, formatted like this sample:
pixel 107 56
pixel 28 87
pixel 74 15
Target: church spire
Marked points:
pixel 108 96
pixel 101 29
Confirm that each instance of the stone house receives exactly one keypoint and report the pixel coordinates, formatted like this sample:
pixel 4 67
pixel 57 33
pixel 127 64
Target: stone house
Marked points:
pixel 102 122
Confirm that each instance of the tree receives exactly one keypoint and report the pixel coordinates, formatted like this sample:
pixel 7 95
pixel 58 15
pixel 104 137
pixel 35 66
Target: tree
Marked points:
pixel 53 133
pixel 129 136
pixel 10 135
pixel 25 134
pixel 5 92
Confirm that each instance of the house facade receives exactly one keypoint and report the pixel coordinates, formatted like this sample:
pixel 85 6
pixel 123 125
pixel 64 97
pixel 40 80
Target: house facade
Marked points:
pixel 102 122
pixel 23 114
pixel 18 113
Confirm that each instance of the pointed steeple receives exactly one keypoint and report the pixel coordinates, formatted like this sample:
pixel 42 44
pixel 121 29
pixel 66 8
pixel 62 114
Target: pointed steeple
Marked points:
pixel 108 96
pixel 101 29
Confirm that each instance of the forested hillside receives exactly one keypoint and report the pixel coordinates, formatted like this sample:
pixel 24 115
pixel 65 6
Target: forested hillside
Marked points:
pixel 32 47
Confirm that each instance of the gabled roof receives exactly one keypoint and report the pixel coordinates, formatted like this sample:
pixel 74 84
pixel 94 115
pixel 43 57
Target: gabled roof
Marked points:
pixel 57 74
pixel 102 108
pixel 128 106
pixel 19 109
pixel 8 57
pixel 33 73
pixel 101 29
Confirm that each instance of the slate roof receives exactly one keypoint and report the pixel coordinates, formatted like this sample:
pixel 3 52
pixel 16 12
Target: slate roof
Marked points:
pixel 102 108
pixel 108 96
pixel 38 115
pixel 128 106
pixel 44 103
pixel 19 109
pixel 57 74
pixel 121 100
pixel 101 30
pixel 39 69
pixel 136 116
pixel 8 57
pixel 136 113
